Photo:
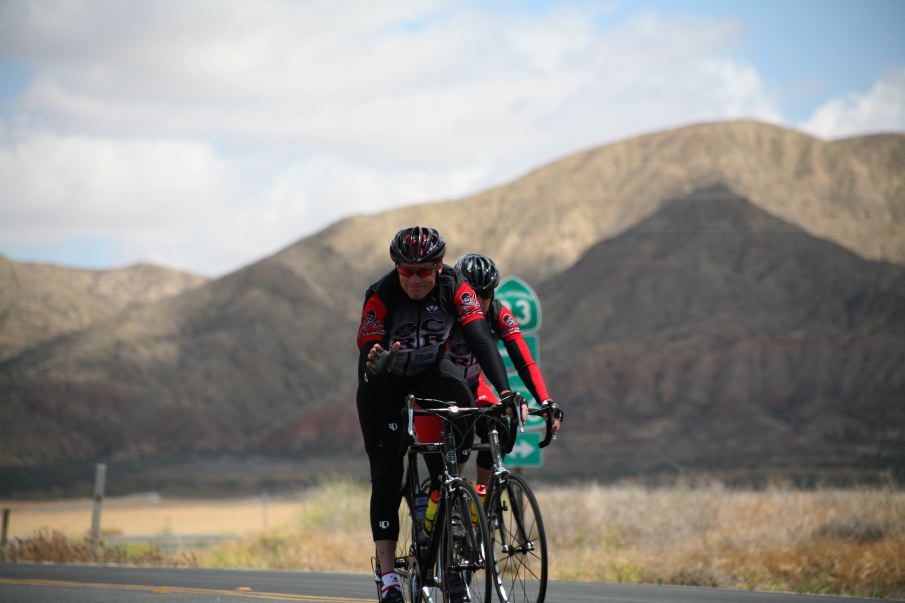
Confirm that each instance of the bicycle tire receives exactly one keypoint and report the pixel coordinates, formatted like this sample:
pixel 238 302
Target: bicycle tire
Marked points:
pixel 408 561
pixel 406 564
pixel 518 541
pixel 465 551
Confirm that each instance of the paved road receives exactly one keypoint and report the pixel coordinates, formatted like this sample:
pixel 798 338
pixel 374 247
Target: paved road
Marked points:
pixel 72 583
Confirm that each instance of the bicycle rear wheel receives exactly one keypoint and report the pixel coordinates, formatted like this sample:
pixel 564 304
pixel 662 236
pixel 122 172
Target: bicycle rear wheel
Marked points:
pixel 518 541
pixel 465 550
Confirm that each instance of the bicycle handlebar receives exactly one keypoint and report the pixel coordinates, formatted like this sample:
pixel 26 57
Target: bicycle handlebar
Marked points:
pixel 548 420
pixel 549 410
pixel 448 411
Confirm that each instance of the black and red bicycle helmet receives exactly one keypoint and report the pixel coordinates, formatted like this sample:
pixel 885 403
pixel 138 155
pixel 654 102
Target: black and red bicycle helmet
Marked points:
pixel 416 245
pixel 480 272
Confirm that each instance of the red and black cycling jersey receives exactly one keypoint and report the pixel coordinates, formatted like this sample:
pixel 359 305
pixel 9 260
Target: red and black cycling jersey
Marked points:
pixel 423 326
pixel 505 327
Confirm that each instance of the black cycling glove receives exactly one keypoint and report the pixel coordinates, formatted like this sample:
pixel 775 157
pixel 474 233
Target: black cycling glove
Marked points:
pixel 553 407
pixel 380 366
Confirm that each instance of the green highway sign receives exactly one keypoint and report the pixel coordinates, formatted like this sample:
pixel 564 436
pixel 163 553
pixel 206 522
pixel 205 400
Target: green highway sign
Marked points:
pixel 526 452
pixel 522 301
pixel 520 298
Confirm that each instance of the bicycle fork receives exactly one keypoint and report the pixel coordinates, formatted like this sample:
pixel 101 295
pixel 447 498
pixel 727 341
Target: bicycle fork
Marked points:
pixel 496 523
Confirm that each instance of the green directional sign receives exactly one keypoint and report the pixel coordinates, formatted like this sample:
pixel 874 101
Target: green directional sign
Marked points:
pixel 526 452
pixel 520 298
pixel 522 301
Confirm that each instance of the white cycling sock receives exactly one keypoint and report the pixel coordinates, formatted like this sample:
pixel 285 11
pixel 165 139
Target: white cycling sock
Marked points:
pixel 390 580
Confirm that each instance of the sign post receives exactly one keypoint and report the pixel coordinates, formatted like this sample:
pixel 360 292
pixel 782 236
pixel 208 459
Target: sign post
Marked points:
pixel 100 479
pixel 523 302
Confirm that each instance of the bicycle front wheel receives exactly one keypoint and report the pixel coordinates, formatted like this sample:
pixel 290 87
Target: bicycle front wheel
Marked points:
pixel 465 553
pixel 418 583
pixel 406 565
pixel 518 541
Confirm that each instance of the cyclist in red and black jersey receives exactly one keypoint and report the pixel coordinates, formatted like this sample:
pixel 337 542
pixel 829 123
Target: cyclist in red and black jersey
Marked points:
pixel 482 274
pixel 407 318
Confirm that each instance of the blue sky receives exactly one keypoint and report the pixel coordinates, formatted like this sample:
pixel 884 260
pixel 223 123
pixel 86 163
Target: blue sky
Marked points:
pixel 205 137
pixel 811 50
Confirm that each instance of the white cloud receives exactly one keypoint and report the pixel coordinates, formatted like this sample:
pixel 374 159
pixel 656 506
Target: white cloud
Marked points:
pixel 57 187
pixel 233 128
pixel 880 109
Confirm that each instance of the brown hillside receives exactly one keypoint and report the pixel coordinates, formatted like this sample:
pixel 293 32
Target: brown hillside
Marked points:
pixel 207 370
pixel 850 191
pixel 39 302
pixel 713 336
pixel 711 331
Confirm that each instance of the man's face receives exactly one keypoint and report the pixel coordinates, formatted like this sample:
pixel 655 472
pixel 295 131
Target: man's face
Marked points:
pixel 485 301
pixel 417 280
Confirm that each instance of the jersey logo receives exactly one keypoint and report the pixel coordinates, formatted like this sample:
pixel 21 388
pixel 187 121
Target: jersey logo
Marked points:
pixel 406 329
pixel 508 325
pixel 432 308
pixel 370 327
pixel 467 304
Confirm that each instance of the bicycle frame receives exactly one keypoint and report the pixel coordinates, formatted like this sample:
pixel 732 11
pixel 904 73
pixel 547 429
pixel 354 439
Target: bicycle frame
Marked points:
pixel 514 520
pixel 428 555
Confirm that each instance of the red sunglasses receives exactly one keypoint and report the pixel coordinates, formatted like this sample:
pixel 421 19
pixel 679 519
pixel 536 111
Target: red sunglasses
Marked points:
pixel 421 272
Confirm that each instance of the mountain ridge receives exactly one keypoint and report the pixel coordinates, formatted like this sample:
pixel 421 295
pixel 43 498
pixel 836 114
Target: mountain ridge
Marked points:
pixel 571 203
pixel 40 301
pixel 261 361
pixel 759 358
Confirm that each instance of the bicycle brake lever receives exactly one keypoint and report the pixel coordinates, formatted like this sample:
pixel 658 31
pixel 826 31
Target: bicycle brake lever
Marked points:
pixel 518 412
pixel 516 400
pixel 549 435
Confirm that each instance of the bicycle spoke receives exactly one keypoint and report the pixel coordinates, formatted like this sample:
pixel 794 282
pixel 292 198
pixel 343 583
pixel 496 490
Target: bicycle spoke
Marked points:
pixel 519 542
pixel 406 566
pixel 465 550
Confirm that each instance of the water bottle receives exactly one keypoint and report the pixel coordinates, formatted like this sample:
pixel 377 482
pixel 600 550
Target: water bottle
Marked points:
pixel 431 512
pixel 421 499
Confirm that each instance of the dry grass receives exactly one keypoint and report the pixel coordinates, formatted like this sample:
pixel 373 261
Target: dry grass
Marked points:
pixel 151 515
pixel 330 533
pixel 818 541
pixel 54 546
pixel 821 541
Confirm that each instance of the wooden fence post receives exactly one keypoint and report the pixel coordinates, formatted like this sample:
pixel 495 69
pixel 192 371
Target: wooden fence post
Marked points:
pixel 100 477
pixel 3 534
